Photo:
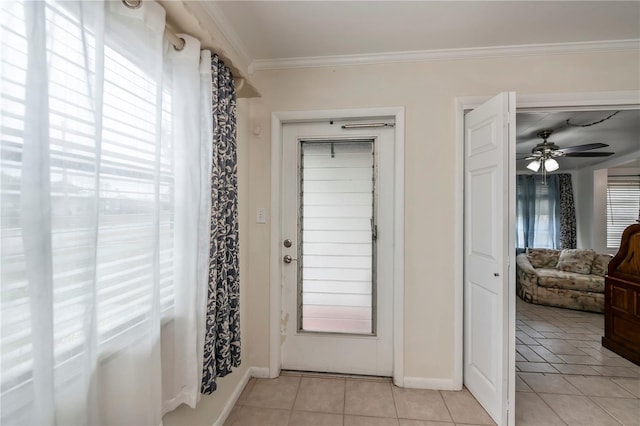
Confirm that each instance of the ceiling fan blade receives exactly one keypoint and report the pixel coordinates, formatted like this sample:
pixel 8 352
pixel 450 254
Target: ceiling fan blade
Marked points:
pixel 586 147
pixel 589 154
pixel 526 157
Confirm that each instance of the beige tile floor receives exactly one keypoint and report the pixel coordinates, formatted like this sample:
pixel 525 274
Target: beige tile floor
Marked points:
pixel 319 400
pixel 565 376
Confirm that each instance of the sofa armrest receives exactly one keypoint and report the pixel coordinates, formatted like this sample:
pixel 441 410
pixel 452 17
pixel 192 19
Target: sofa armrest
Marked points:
pixel 526 279
pixel 524 266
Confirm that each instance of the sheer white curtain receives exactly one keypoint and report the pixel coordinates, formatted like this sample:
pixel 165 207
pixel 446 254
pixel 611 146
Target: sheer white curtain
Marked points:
pixel 103 127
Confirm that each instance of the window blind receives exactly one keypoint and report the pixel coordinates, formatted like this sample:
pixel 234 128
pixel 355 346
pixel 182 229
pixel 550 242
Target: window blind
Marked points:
pixel 623 206
pixel 117 164
pixel 337 193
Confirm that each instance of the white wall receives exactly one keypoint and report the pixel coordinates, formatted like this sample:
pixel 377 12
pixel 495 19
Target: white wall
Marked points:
pixel 583 184
pixel 590 189
pixel 210 406
pixel 591 202
pixel 599 203
pixel 428 91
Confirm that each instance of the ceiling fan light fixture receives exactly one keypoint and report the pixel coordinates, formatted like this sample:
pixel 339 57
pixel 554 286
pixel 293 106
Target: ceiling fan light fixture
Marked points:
pixel 551 165
pixel 534 166
pixel 542 155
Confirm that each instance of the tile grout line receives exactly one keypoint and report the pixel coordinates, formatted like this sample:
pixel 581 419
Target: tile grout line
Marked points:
pixel 607 411
pixel 604 409
pixel 295 399
pixel 555 393
pixel 344 402
pixel 447 405
pixel 395 405
pixel 550 407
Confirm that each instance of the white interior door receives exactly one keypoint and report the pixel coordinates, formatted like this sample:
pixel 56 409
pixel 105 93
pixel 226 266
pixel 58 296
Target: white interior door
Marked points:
pixel 489 322
pixel 337 226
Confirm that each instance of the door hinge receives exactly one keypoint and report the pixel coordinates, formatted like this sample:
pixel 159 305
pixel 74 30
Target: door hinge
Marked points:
pixel 507 118
pixel 374 230
pixel 508 261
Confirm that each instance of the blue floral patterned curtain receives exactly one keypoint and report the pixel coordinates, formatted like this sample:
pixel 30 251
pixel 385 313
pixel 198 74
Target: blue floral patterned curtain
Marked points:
pixel 222 338
pixel 568 239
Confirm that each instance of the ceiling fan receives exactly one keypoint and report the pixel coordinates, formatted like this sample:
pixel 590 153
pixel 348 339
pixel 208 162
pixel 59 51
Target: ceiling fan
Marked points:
pixel 544 154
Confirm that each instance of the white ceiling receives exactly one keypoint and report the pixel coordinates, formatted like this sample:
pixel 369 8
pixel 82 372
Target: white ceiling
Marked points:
pixel 621 132
pixel 273 30
pixel 290 29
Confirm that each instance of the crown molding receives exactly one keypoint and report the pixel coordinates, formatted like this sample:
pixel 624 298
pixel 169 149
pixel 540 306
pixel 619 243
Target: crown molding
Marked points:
pixel 445 54
pixel 222 22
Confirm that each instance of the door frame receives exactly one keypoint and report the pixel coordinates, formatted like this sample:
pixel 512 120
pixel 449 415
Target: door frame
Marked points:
pixel 278 119
pixel 629 99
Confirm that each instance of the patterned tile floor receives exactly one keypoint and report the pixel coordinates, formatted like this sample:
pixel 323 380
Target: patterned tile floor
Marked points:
pixel 565 376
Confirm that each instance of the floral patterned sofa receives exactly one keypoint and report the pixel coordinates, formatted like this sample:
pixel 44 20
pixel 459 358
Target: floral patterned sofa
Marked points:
pixel 571 279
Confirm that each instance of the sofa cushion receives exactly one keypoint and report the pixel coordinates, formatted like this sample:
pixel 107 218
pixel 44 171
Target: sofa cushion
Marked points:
pixel 576 260
pixel 600 263
pixel 543 258
pixel 553 278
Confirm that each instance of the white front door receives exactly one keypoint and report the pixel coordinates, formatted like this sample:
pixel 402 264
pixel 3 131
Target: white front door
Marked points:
pixel 337 248
pixel 489 324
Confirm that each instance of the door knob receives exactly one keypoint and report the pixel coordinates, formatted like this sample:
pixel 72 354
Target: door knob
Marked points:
pixel 288 259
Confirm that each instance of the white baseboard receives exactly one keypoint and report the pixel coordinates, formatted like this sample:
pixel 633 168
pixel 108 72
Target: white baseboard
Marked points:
pixel 260 372
pixel 428 383
pixel 233 399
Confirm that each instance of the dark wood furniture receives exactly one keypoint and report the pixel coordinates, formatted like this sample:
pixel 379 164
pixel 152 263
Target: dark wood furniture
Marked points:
pixel 622 298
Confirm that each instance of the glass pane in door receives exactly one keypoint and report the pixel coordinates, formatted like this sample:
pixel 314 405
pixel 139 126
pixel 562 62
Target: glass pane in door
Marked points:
pixel 336 270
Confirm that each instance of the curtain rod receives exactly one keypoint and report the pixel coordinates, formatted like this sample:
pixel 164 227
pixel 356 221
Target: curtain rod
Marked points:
pixel 177 42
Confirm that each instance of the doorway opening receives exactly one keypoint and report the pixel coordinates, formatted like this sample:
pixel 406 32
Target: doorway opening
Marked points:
pixel 559 308
pixel 308 316
pixel 337 211
pixel 337 227
pixel 579 101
